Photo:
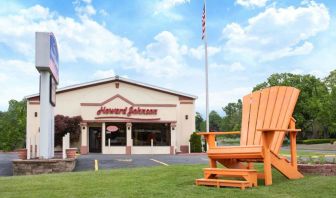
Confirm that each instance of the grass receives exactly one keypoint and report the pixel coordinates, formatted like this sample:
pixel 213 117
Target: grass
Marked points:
pixel 160 181
pixel 304 153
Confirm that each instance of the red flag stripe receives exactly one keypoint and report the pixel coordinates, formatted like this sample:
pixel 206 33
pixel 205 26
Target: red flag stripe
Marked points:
pixel 203 22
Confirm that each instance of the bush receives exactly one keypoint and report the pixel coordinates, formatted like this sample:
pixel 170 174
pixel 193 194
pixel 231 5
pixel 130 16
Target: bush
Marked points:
pixel 195 143
pixel 316 141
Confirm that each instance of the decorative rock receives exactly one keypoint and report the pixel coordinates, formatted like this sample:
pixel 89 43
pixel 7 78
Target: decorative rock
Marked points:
pixel 319 169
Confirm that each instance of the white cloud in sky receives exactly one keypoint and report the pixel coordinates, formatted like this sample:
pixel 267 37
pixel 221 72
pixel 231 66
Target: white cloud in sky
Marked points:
pixel 165 44
pixel 84 8
pixel 99 74
pixel 168 4
pixel 198 52
pixel 218 98
pixel 277 32
pixel 87 40
pixel 251 3
pixel 18 79
pixel 233 67
pixel 164 8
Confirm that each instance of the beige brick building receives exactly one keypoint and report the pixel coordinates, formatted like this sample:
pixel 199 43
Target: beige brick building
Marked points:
pixel 121 116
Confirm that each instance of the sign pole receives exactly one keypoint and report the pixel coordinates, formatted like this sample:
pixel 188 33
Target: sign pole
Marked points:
pixel 46 62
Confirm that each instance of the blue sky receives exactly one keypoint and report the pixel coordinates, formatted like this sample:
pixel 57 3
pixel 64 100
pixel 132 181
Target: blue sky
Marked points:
pixel 159 42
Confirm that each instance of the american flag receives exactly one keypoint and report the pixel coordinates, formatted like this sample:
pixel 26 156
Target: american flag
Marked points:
pixel 203 22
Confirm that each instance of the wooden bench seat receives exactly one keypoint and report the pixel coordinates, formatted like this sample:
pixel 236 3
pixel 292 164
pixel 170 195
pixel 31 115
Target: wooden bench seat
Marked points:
pixel 221 183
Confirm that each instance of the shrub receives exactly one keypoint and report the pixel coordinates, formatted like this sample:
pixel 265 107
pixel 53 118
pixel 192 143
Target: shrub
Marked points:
pixel 66 124
pixel 195 143
pixel 316 141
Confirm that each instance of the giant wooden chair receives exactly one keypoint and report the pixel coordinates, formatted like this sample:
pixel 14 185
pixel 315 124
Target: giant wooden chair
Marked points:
pixel 266 118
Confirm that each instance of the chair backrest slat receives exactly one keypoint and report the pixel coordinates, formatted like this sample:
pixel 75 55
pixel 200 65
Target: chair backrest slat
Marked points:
pixel 268 108
pixel 261 115
pixel 255 100
pixel 289 109
pixel 245 119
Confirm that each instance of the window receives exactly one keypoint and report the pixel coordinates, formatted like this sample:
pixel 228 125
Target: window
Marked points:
pixel 118 137
pixel 142 133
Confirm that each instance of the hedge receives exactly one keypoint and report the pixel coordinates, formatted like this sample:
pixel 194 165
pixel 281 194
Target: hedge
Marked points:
pixel 195 143
pixel 316 141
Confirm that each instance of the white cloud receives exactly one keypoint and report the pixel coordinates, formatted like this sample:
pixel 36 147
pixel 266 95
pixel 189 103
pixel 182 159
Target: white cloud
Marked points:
pixel 165 44
pixel 168 4
pixel 220 97
pixel 104 74
pixel 83 41
pixel 198 53
pixel 87 40
pixel 251 3
pixel 164 8
pixel 277 33
pixel 103 12
pixel 84 10
pixel 18 78
pixel 3 77
pixel 233 67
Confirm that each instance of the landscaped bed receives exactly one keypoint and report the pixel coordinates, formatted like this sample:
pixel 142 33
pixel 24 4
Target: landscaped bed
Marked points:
pixel 160 181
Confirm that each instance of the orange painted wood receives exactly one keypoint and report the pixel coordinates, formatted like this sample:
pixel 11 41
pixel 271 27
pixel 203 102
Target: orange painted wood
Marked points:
pixel 289 113
pixel 245 119
pixel 220 182
pixel 284 167
pixel 277 116
pixel 218 133
pixel 255 99
pixel 261 115
pixel 292 139
pixel 266 118
pixel 270 106
pixel 282 115
pixel 247 174
pixel 279 130
pixel 267 140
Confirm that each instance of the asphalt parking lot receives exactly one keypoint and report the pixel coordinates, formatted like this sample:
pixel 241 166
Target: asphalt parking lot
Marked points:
pixel 6 163
pixel 86 162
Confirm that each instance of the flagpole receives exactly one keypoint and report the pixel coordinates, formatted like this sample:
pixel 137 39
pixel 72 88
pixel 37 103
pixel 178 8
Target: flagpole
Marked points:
pixel 206 74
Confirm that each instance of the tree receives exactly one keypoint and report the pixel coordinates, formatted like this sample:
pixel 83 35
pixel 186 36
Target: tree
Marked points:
pixel 64 125
pixel 233 115
pixel 308 111
pixel 330 105
pixel 214 121
pixel 13 126
pixel 199 120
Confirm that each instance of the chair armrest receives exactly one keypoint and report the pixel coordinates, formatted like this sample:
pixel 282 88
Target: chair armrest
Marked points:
pixel 279 130
pixel 218 133
pixel 210 136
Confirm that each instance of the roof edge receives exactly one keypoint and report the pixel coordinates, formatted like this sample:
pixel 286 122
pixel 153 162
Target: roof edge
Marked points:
pixel 117 78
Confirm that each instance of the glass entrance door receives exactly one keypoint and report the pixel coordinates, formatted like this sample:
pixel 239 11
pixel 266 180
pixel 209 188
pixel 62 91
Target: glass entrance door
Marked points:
pixel 95 140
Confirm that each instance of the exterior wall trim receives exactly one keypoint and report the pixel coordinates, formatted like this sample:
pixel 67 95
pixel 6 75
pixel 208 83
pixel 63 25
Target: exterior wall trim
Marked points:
pixel 131 120
pixel 127 101
pixel 115 117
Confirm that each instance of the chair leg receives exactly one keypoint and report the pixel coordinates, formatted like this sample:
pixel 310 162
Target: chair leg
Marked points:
pixel 267 169
pixel 213 163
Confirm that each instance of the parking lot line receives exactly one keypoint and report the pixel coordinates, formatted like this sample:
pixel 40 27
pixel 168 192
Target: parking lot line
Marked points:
pixel 157 161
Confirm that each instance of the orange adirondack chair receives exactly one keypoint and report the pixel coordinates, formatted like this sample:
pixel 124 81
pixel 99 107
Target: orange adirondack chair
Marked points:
pixel 267 117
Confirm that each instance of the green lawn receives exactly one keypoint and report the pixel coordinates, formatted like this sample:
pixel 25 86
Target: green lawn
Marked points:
pixel 160 181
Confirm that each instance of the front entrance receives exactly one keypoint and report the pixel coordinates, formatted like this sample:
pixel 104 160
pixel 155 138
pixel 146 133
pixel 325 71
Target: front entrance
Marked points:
pixel 95 140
